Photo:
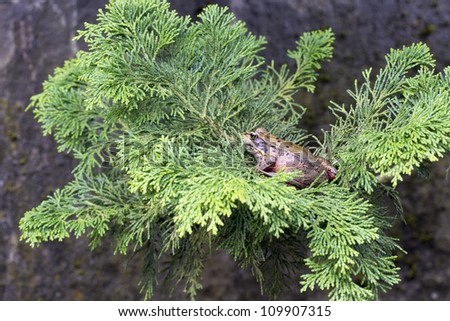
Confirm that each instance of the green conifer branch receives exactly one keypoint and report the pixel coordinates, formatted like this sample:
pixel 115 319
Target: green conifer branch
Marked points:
pixel 312 49
pixel 398 122
pixel 154 112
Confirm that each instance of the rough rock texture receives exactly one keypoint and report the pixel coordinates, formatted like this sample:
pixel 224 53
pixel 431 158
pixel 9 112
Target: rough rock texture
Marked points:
pixel 36 37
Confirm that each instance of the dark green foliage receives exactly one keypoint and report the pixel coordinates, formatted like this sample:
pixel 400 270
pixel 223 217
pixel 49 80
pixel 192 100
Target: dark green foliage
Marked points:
pixel 154 112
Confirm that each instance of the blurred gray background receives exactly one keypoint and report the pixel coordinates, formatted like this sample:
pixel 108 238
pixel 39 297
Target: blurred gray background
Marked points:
pixel 36 36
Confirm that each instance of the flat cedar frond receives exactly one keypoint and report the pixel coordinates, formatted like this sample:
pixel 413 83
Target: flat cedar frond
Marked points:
pixel 399 121
pixel 154 112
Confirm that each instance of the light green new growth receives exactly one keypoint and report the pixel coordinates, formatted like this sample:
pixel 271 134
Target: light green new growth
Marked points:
pixel 400 120
pixel 154 112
